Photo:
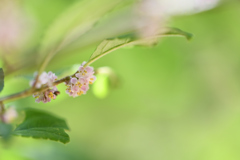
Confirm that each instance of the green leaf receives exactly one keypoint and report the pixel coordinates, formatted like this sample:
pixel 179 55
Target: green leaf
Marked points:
pixel 40 124
pixel 178 32
pixel 1 79
pixel 5 130
pixel 55 134
pixel 110 45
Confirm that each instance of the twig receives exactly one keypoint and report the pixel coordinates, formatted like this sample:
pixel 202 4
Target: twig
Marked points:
pixel 2 109
pixel 31 91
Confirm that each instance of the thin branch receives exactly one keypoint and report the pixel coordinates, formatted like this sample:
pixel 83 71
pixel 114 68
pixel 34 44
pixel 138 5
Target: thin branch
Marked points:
pixel 2 109
pixel 32 91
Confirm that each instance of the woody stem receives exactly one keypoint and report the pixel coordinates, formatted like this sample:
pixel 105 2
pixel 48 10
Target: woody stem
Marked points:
pixel 31 91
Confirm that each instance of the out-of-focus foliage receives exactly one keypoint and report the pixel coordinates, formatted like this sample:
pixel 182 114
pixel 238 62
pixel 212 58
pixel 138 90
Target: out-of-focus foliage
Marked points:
pixel 177 101
pixel 73 23
pixel 107 80
pixel 5 131
pixel 101 86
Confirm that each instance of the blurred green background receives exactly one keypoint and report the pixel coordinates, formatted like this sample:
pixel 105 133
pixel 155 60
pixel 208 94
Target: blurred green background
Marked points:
pixel 176 101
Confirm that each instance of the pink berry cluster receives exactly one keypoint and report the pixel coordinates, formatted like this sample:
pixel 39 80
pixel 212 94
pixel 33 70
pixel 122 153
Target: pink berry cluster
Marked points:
pixel 51 93
pixel 76 86
pixel 79 83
